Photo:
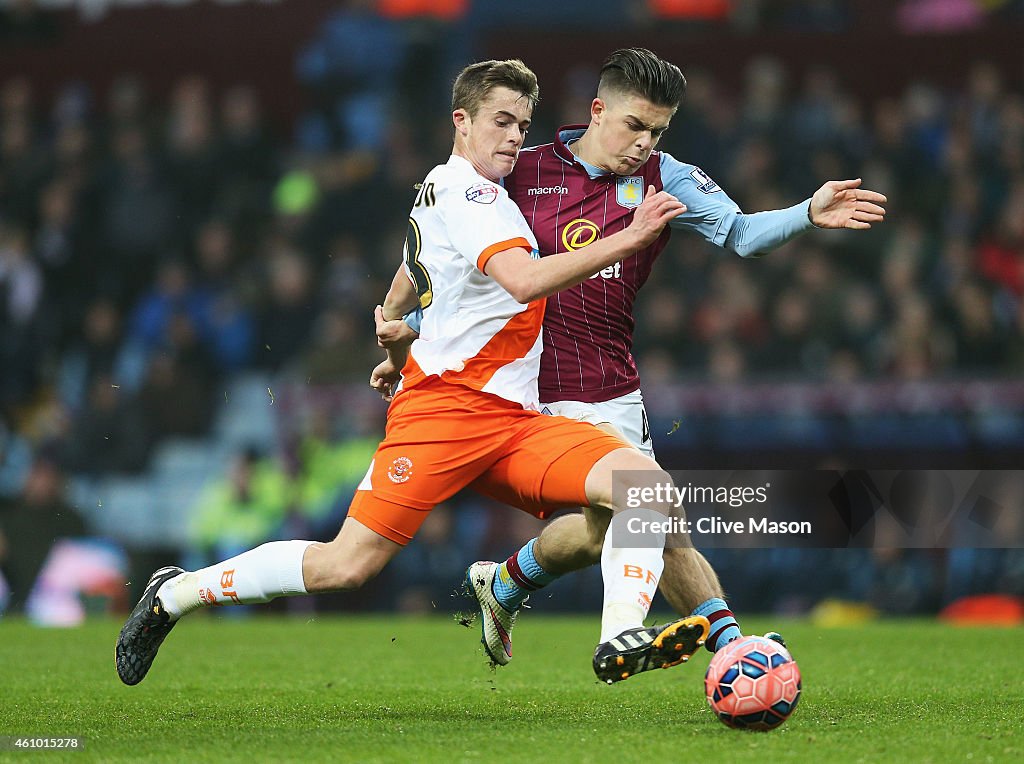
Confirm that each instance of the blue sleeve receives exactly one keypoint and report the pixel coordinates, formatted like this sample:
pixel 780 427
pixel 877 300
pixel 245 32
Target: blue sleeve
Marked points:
pixel 760 233
pixel 711 213
pixel 414 319
pixel 709 210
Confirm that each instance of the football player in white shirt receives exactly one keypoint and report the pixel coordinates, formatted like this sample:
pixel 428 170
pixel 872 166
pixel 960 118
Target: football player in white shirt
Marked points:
pixel 466 415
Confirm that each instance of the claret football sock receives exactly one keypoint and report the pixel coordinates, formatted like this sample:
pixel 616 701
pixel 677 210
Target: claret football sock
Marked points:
pixel 519 575
pixel 259 575
pixel 631 576
pixel 724 628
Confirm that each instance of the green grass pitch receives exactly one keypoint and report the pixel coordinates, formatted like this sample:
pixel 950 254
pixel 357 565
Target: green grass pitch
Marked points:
pixel 394 689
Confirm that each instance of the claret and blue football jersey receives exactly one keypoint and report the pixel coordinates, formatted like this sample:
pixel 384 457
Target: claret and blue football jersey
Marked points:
pixel 588 329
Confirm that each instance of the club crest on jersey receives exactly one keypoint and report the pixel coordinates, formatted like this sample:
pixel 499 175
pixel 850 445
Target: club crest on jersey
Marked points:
pixel 400 469
pixel 482 193
pixel 629 192
pixel 704 183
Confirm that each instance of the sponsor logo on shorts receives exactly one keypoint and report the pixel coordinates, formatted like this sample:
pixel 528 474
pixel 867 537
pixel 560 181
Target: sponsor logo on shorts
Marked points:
pixel 629 192
pixel 704 183
pixel 207 596
pixel 579 233
pixel 400 469
pixel 482 193
pixel 644 600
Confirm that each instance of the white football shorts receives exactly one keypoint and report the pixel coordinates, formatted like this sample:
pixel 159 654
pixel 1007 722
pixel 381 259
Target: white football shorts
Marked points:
pixel 626 413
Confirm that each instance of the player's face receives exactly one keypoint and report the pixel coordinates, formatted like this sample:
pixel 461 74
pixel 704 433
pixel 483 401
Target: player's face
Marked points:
pixel 491 138
pixel 627 128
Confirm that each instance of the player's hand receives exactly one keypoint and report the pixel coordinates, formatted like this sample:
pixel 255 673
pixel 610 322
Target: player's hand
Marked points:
pixel 653 215
pixel 392 334
pixel 384 377
pixel 844 204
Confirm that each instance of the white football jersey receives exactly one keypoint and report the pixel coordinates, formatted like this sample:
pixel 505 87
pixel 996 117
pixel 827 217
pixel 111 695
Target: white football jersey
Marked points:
pixel 473 332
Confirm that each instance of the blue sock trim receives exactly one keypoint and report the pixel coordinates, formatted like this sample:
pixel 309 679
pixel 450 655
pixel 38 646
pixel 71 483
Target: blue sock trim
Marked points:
pixel 710 606
pixel 529 565
pixel 519 575
pixel 724 628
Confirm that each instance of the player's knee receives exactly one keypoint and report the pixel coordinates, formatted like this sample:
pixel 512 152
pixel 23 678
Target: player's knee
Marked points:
pixel 626 479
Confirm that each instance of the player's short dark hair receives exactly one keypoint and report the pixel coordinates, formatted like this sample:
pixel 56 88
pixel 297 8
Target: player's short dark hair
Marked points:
pixel 477 80
pixel 637 71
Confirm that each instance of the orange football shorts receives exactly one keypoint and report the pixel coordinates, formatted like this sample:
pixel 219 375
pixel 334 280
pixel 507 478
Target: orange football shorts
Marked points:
pixel 442 437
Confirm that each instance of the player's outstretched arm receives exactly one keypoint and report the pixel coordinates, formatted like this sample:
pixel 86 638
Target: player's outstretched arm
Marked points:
pixel 844 204
pixel 527 279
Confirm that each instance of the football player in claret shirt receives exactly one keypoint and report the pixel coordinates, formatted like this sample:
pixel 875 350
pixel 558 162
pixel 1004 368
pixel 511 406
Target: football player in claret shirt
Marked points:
pixel 468 412
pixel 586 185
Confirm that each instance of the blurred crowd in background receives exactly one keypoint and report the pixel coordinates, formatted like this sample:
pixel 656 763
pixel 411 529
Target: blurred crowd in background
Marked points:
pixel 156 247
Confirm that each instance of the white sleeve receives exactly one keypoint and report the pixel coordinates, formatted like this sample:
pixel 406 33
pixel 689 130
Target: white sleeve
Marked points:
pixel 482 220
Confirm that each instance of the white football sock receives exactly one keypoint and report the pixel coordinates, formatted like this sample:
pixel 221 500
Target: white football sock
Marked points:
pixel 259 575
pixel 631 574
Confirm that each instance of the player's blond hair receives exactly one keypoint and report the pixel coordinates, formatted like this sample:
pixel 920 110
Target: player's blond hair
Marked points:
pixel 476 81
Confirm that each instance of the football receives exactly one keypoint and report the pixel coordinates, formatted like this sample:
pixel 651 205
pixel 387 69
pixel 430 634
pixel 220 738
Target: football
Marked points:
pixel 753 683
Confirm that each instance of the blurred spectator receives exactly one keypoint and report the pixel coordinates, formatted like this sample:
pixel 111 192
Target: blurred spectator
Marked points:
pixel 22 163
pixel 224 322
pixel 173 294
pixel 30 525
pixel 109 434
pixel 792 331
pixel 23 22
pixel 178 395
pixel 139 211
pixel 330 468
pixel 1001 258
pixel 21 291
pixel 351 69
pixel 914 348
pixel 243 509
pixel 246 156
pixel 191 153
pixel 288 316
pixel 57 247
pixel 99 352
pixel 15 460
pixel 979 342
pixel 339 349
pixel 860 324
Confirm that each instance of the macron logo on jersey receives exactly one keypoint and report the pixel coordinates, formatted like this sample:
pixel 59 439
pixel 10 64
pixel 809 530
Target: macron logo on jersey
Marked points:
pixel 541 191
